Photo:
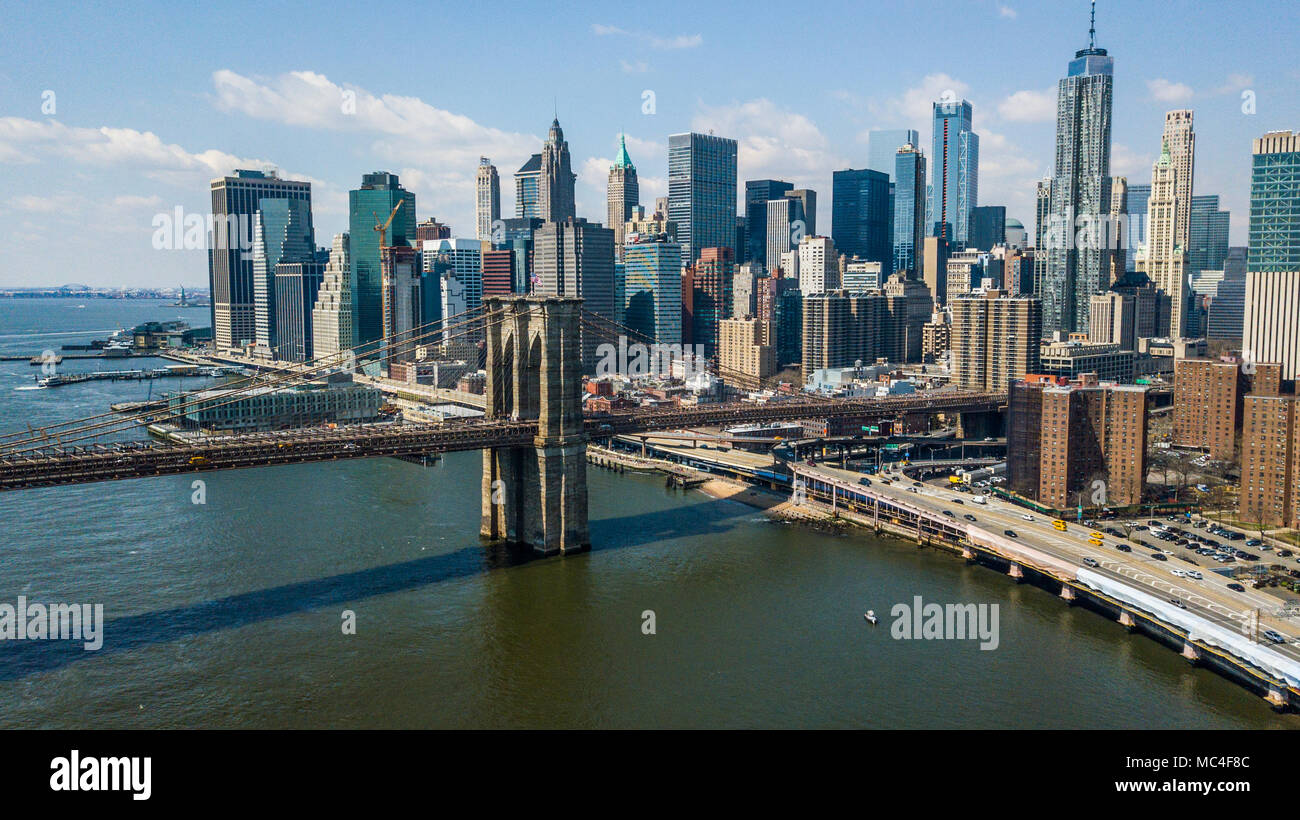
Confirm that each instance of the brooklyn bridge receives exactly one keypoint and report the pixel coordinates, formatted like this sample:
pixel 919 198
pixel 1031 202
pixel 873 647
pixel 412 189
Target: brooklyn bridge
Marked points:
pixel 533 434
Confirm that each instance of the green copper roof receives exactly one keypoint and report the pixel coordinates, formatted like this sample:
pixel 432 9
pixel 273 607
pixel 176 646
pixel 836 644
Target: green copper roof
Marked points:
pixel 1165 158
pixel 623 160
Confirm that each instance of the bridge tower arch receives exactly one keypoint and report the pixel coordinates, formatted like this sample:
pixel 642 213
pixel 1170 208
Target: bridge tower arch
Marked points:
pixel 536 496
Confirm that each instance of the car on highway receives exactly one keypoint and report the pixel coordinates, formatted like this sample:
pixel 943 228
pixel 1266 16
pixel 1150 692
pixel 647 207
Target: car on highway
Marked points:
pixel 1096 542
pixel 1235 587
pixel 956 501
pixel 1178 573
pixel 913 490
pixel 865 482
pixel 969 517
pixel 1027 517
pixel 1178 603
pixel 1274 636
pixel 1123 548
pixel 1159 556
pixel 1284 553
pixel 1010 533
pixel 1090 561
pixel 949 513
pixel 1195 575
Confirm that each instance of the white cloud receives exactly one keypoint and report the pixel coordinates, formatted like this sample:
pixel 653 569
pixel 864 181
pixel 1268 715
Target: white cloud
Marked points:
pixel 653 40
pixel 1165 91
pixel 32 140
pixel 1029 106
pixel 774 142
pixel 1007 12
pixel 436 150
pixel 1125 162
pixel 636 67
pixel 1235 83
pixel 915 106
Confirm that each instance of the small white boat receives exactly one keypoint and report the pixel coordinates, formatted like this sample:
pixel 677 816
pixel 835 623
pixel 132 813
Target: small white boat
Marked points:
pixel 870 617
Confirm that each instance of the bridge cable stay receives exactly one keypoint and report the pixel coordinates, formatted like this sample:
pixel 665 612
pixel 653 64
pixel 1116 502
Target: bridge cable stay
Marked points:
pixel 228 398
pixel 464 332
pixel 249 383
pixel 286 378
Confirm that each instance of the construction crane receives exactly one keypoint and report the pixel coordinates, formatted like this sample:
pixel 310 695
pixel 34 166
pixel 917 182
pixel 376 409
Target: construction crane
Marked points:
pixel 383 227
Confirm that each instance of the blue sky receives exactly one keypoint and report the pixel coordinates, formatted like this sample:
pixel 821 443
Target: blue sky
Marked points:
pixel 152 100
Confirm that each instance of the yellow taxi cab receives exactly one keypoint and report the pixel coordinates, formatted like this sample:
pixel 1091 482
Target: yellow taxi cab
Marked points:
pixel 1059 524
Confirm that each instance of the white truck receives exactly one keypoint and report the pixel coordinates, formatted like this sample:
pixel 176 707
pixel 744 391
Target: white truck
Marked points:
pixel 979 499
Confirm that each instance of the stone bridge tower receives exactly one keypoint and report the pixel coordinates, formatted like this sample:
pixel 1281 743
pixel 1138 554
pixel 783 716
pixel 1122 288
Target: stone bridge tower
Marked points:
pixel 536 495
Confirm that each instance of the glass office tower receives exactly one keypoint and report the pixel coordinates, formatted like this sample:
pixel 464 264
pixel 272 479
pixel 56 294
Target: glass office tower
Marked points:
pixel 702 192
pixel 909 209
pixel 954 164
pixel 369 206
pixel 860 218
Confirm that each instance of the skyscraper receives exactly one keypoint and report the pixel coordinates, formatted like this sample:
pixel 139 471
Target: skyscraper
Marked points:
pixel 235 202
pixel 332 315
pixel 1208 248
pixel 526 186
pixel 819 270
pixel 652 298
pixel 954 165
pixel 711 297
pixel 1042 227
pixel 909 209
pixel 808 206
pixel 487 198
pixel 988 227
pixel 1165 259
pixel 785 221
pixel 369 207
pixel 758 192
pixel 576 258
pixel 1135 205
pixel 702 192
pixel 882 149
pixel 1180 137
pixel 1271 330
pixel 1080 189
pixel 555 198
pixel 622 195
pixel 861 224
pixel 283 233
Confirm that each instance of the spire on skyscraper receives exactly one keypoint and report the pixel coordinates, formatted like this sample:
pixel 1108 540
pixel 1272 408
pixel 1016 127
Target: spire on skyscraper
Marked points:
pixel 622 160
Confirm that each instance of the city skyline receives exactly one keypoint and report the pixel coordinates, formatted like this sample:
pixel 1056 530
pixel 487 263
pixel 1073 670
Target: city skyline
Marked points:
pixel 107 163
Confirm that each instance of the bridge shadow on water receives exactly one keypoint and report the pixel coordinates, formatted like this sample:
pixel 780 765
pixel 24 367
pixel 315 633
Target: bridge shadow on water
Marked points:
pixel 19 659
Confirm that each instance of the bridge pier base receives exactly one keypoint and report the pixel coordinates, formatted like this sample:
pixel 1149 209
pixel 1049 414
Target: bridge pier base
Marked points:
pixel 1191 653
pixel 1127 620
pixel 1068 594
pixel 1016 572
pixel 536 496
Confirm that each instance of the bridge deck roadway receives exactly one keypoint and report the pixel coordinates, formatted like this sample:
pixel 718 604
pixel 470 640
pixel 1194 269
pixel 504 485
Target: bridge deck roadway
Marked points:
pixel 76 464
